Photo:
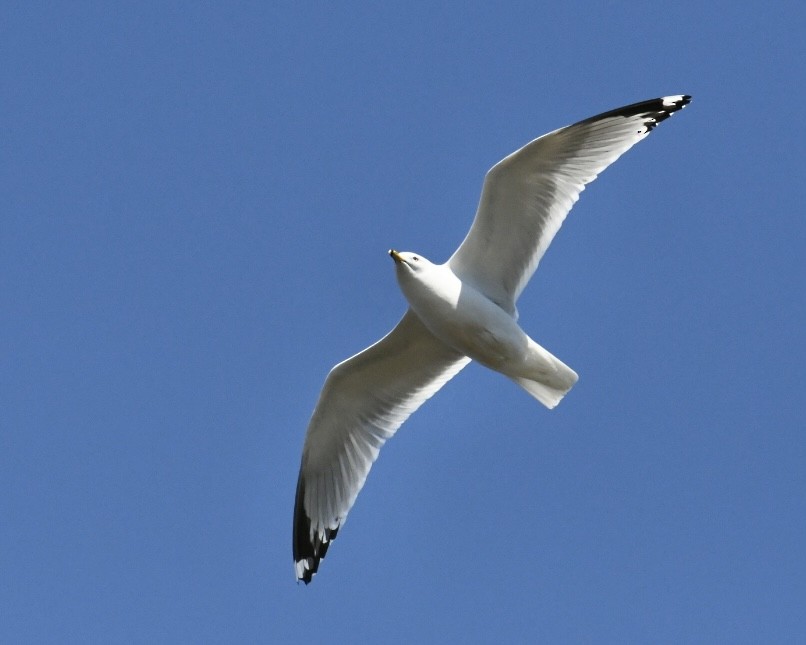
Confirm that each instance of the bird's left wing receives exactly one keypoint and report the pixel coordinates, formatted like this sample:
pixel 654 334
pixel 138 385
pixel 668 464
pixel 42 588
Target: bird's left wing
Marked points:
pixel 365 399
pixel 527 195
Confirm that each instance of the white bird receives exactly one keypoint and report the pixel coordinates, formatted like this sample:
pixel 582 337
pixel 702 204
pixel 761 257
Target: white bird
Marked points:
pixel 461 310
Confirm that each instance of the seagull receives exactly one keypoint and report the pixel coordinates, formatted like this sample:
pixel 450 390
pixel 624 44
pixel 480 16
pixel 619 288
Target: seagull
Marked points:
pixel 458 311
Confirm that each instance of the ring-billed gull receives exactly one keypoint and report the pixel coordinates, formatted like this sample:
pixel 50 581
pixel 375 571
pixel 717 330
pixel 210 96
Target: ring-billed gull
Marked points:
pixel 461 310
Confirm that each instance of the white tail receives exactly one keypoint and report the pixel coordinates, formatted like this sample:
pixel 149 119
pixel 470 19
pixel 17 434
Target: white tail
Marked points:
pixel 544 376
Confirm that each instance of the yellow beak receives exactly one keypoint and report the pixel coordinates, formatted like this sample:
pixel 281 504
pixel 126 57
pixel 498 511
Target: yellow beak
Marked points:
pixel 395 255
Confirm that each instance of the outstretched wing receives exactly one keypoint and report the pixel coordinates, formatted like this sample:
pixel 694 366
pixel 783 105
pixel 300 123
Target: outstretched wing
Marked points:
pixel 364 401
pixel 527 195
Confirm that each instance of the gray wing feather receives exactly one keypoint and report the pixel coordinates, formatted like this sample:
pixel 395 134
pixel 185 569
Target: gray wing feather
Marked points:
pixel 364 401
pixel 527 195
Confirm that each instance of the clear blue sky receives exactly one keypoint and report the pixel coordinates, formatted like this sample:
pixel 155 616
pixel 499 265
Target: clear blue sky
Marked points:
pixel 196 204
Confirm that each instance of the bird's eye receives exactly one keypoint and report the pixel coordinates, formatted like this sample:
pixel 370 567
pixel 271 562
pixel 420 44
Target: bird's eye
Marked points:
pixel 416 259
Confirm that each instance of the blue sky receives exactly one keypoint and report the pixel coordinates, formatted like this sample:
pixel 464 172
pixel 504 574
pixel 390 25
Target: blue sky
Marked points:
pixel 197 201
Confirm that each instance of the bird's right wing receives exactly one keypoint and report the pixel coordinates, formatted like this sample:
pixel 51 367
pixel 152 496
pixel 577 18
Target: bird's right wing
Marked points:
pixel 364 401
pixel 527 195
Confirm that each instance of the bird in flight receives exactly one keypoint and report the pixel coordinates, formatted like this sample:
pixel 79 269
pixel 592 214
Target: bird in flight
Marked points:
pixel 459 311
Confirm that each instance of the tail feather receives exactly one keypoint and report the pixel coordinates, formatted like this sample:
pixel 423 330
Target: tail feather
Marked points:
pixel 544 376
pixel 547 395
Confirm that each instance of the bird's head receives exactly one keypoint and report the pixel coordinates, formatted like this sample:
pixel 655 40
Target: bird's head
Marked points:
pixel 411 265
pixel 408 263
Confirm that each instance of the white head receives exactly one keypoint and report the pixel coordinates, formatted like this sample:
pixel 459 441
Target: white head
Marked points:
pixel 423 282
pixel 406 258
pixel 410 264
pixel 412 267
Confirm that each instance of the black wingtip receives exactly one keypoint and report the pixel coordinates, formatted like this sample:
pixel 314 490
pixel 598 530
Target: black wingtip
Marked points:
pixel 655 110
pixel 308 550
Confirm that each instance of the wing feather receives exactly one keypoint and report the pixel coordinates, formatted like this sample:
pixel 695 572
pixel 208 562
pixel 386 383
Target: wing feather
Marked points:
pixel 364 401
pixel 527 195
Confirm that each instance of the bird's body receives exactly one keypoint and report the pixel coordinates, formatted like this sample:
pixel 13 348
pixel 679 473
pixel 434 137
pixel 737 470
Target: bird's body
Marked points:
pixel 466 320
pixel 459 311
